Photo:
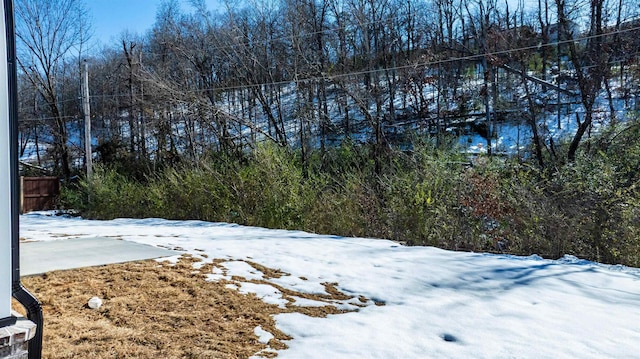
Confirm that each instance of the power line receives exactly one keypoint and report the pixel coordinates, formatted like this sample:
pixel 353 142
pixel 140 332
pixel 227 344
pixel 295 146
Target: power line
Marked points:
pixel 324 77
pixel 48 119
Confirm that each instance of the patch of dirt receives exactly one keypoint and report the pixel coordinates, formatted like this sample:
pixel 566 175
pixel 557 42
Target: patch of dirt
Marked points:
pixel 267 272
pixel 160 310
pixel 64 235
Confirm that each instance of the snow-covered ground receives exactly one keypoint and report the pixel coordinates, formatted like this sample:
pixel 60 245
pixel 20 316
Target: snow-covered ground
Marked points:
pixel 437 304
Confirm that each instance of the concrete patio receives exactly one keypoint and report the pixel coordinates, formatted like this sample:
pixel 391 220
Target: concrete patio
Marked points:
pixel 41 257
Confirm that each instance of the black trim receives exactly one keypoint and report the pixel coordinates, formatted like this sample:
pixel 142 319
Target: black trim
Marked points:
pixel 28 301
pixel 5 322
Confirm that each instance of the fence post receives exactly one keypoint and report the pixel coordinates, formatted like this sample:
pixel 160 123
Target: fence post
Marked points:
pixel 21 194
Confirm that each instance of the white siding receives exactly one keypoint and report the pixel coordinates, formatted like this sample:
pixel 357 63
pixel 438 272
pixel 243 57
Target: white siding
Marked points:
pixel 5 178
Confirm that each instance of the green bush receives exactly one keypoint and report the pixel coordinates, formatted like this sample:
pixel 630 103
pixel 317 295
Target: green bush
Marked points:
pixel 430 195
pixel 423 198
pixel 270 189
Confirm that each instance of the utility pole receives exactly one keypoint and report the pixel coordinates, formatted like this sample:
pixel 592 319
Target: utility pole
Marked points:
pixel 87 121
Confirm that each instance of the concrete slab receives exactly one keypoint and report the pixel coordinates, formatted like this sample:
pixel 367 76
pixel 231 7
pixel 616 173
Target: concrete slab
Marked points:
pixel 46 256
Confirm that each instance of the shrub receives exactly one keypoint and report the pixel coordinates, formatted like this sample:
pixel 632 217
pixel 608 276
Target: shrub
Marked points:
pixel 426 196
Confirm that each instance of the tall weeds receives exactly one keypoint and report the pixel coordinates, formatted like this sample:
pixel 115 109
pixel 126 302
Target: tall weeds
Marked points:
pixel 426 196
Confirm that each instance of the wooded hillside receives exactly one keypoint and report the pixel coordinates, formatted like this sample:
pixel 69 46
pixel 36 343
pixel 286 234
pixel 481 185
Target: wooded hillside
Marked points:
pixel 308 74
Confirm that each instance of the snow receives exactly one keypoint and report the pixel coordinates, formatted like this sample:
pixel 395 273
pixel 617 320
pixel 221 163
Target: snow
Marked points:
pixel 423 302
pixel 267 293
pixel 263 335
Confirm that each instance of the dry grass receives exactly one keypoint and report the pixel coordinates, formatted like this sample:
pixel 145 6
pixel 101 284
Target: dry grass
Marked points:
pixel 159 310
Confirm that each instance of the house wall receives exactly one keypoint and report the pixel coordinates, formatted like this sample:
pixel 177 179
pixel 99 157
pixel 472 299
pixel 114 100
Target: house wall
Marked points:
pixel 5 179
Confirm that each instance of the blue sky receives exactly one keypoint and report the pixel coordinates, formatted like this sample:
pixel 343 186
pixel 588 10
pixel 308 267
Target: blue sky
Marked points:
pixel 111 17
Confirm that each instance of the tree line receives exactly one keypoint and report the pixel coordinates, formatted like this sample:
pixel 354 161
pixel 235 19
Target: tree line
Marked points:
pixel 308 73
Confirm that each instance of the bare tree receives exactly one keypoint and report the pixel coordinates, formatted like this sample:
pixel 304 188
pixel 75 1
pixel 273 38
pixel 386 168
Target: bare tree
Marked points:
pixel 590 63
pixel 48 33
pixel 482 20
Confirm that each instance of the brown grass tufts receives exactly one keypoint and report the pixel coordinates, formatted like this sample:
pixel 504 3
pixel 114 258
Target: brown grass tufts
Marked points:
pixel 161 310
pixel 150 310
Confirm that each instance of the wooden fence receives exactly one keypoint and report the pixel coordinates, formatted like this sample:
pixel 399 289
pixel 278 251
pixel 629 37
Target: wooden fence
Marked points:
pixel 39 193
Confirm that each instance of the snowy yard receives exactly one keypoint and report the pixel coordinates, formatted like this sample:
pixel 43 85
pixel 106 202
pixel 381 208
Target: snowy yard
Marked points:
pixel 404 302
